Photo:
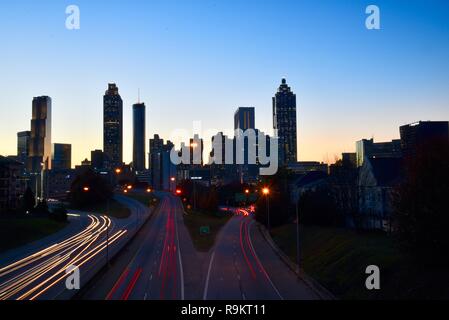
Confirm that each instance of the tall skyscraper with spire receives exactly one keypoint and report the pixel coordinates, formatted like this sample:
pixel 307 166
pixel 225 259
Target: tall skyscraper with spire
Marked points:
pixel 113 127
pixel 284 123
pixel 139 136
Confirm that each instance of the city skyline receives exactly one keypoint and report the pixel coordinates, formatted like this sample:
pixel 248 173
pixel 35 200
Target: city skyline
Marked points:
pixel 388 72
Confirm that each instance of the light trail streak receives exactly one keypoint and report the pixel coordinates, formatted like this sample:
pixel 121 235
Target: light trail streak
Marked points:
pixel 37 273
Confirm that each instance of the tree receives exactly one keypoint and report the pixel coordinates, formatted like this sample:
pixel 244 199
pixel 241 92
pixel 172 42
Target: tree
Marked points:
pixel 59 214
pixel 89 188
pixel 28 201
pixel 422 204
pixel 318 207
pixel 41 208
pixel 281 207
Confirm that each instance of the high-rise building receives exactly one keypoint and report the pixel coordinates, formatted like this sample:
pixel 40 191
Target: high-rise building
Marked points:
pixel 414 136
pixel 113 127
pixel 196 150
pixel 97 159
pixel 367 149
pixel 23 146
pixel 61 156
pixel 284 123
pixel 155 145
pixel 139 137
pixel 11 184
pixel 161 167
pixel 40 137
pixel 244 118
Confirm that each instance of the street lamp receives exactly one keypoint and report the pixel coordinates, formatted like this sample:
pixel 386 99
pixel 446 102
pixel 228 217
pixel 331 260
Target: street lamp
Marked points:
pixel 266 193
pixel 86 189
pixel 297 235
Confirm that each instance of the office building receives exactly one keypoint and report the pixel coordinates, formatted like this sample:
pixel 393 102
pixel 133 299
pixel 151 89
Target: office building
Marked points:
pixel 139 137
pixel 11 185
pixel 113 127
pixel 284 123
pixel 161 169
pixel 61 156
pixel 40 136
pixel 23 146
pixel 196 151
pixel 244 118
pixel 97 160
pixel 370 149
pixel 416 135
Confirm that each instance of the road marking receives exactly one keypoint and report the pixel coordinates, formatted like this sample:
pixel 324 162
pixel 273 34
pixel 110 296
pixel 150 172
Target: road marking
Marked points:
pixel 118 284
pixel 260 263
pixel 206 288
pixel 132 284
pixel 181 272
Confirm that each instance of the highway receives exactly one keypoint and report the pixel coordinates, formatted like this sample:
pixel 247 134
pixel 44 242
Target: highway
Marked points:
pixel 154 259
pixel 244 267
pixel 162 264
pixel 155 270
pixel 41 275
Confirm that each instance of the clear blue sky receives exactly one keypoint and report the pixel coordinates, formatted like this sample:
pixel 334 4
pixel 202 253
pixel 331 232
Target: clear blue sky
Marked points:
pixel 200 60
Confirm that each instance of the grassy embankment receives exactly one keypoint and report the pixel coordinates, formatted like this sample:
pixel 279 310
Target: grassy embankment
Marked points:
pixel 116 209
pixel 18 231
pixel 148 199
pixel 337 258
pixel 194 220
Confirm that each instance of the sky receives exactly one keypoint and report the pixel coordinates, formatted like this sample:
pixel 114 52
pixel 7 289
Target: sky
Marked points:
pixel 198 60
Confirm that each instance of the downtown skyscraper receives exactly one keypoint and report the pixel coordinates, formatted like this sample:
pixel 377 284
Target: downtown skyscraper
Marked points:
pixel 113 127
pixel 23 146
pixel 139 136
pixel 40 137
pixel 244 119
pixel 61 156
pixel 284 123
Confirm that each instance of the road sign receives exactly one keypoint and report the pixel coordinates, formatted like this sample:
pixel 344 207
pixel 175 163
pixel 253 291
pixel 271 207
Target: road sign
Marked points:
pixel 204 230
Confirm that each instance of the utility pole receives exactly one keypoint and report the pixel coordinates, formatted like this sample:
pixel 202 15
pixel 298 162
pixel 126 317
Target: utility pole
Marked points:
pixel 107 235
pixel 297 237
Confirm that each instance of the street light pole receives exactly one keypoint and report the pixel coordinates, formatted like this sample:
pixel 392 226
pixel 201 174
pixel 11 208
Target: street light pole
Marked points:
pixel 107 235
pixel 268 213
pixel 297 237
pixel 194 195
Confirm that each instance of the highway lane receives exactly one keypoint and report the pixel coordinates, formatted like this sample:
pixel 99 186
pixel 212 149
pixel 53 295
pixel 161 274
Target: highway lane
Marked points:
pixel 155 271
pixel 39 274
pixel 42 274
pixel 235 272
pixel 242 269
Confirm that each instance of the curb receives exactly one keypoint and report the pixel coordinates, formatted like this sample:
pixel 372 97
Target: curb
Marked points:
pixel 321 291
